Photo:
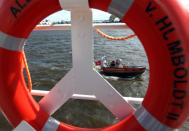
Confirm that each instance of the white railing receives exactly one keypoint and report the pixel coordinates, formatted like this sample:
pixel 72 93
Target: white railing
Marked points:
pixel 131 100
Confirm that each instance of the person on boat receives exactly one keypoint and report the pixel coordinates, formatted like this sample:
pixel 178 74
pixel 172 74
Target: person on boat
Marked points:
pixel 104 62
pixel 113 64
pixel 118 63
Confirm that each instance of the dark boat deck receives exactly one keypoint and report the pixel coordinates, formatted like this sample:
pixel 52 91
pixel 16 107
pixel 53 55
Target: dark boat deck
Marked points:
pixel 125 72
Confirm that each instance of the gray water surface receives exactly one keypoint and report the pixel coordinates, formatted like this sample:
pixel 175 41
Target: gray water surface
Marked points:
pixel 49 58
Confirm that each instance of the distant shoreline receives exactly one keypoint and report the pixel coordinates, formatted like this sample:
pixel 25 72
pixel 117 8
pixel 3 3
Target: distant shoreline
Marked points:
pixel 68 26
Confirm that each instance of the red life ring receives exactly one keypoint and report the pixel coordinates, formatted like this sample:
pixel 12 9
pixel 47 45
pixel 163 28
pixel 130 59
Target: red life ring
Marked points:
pixel 161 26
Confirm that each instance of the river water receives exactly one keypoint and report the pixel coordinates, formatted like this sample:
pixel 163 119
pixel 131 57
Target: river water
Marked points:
pixel 49 58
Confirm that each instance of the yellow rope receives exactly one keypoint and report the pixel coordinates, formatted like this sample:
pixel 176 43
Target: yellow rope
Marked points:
pixel 29 84
pixel 112 37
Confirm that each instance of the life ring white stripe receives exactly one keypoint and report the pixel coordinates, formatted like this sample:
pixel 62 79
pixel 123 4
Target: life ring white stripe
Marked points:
pixel 149 122
pixel 11 43
pixel 120 7
pixel 51 125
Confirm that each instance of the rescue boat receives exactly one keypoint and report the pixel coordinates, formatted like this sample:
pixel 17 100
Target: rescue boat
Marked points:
pixel 118 69
pixel 123 72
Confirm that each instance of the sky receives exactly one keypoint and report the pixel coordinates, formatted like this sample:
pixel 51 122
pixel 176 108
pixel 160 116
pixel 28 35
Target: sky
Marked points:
pixel 185 3
pixel 65 15
pixel 97 14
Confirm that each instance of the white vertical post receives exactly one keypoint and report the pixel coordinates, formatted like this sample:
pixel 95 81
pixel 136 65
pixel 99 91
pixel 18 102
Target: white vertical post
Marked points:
pixel 82 40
